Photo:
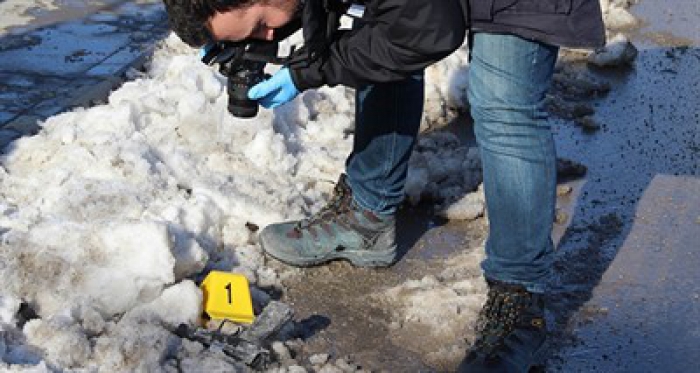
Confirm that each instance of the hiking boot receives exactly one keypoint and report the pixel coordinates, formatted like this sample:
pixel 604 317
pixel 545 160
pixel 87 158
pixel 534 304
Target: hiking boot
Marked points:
pixel 341 230
pixel 511 332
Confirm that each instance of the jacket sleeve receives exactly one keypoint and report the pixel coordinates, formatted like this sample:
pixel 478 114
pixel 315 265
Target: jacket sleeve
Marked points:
pixel 396 38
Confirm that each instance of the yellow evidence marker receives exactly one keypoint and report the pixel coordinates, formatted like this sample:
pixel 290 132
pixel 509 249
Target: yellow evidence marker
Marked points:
pixel 227 296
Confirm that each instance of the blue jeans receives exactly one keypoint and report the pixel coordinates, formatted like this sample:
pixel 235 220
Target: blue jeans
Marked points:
pixel 387 120
pixel 508 78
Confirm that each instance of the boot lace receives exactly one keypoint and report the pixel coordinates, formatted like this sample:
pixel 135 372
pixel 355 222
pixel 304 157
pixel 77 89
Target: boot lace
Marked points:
pixel 338 204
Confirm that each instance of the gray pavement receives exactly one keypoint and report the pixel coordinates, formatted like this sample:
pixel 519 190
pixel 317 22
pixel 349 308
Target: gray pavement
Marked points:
pixel 52 60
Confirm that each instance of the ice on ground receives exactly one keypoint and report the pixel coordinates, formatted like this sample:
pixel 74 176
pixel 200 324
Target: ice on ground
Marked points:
pixel 443 306
pixel 109 213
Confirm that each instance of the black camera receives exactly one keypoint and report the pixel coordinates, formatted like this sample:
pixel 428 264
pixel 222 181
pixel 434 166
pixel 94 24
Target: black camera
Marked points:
pixel 243 63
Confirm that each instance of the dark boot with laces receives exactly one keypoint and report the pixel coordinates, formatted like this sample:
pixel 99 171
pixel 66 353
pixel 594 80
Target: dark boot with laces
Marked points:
pixel 341 230
pixel 511 332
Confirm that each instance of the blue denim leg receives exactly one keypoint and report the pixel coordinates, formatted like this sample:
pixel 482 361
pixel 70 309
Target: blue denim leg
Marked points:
pixel 387 120
pixel 508 79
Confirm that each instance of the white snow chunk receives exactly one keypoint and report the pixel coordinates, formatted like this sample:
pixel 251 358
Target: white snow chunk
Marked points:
pixel 9 306
pixel 619 18
pixel 618 51
pixel 180 303
pixel 138 263
pixel 319 359
pixel 134 344
pixel 469 207
pixel 63 341
pixel 445 88
pixel 112 266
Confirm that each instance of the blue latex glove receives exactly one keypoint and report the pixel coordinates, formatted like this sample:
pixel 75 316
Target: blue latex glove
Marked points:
pixel 275 91
pixel 204 50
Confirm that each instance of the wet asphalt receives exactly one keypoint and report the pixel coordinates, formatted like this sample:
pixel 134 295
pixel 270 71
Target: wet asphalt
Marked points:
pixel 635 233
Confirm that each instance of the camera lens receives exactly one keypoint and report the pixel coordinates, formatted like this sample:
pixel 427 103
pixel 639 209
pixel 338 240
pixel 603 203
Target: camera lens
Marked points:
pixel 243 63
pixel 238 85
pixel 239 104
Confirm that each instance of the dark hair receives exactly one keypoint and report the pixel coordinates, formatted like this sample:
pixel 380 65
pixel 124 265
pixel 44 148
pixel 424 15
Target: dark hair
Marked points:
pixel 188 18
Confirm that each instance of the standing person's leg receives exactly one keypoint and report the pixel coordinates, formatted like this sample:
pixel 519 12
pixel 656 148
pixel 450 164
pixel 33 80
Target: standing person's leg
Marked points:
pixel 387 120
pixel 358 223
pixel 509 77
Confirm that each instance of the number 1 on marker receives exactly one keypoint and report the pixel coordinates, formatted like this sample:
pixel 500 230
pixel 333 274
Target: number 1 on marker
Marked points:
pixel 228 287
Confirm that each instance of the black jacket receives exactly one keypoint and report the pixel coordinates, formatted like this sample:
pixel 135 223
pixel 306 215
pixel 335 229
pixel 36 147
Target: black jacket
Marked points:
pixel 399 37
pixel 567 23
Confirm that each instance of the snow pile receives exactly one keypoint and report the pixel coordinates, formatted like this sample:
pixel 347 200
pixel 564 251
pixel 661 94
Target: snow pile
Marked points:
pixel 109 213
pixel 443 170
pixel 446 89
pixel 618 51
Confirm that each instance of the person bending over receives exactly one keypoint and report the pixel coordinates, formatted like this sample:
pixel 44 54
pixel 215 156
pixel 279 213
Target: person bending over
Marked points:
pixel 514 46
